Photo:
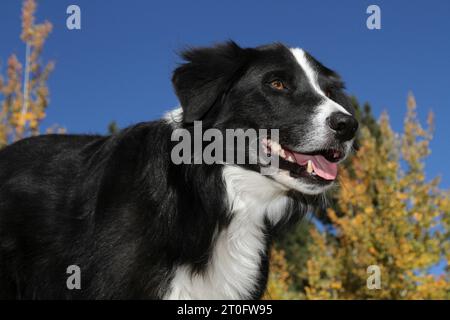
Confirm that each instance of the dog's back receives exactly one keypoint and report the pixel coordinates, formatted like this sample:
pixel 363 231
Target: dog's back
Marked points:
pixel 71 200
pixel 34 174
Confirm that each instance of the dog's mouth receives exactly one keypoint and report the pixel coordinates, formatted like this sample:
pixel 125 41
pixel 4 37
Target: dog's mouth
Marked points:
pixel 320 166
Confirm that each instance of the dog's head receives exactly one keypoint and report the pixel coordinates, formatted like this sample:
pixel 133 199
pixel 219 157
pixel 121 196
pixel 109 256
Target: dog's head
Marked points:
pixel 272 87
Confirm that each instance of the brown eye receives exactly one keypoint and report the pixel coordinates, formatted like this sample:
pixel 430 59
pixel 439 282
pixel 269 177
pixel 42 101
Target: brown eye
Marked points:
pixel 328 93
pixel 277 85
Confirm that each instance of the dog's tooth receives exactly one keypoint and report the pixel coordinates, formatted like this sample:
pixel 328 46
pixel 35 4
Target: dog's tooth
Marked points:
pixel 282 153
pixel 309 167
pixel 275 147
pixel 273 150
pixel 290 158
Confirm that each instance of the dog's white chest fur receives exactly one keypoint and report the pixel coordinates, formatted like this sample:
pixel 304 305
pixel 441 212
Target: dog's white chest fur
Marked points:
pixel 234 267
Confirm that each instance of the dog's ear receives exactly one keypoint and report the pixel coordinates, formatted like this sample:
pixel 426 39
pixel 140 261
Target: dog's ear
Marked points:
pixel 205 76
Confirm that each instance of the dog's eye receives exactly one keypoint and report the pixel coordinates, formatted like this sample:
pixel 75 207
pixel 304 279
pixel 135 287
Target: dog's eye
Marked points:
pixel 328 93
pixel 277 85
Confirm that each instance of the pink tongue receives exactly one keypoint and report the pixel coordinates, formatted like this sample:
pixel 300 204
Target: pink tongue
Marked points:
pixel 322 167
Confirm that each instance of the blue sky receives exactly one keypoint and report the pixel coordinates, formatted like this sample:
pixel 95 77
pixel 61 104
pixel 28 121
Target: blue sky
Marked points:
pixel 118 66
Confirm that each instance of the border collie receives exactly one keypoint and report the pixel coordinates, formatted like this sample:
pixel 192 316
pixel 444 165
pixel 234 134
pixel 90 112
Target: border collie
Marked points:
pixel 140 227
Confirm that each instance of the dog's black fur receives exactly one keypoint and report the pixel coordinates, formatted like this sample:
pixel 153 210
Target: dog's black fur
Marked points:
pixel 119 208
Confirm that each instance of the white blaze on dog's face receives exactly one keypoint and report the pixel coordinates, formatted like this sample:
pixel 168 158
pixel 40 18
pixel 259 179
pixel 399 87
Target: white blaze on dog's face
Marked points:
pixel 273 87
pixel 331 130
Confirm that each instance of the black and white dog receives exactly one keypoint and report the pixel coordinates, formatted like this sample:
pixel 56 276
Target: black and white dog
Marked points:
pixel 139 226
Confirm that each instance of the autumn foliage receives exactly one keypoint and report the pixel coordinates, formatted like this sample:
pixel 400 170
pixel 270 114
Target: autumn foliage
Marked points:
pixel 23 89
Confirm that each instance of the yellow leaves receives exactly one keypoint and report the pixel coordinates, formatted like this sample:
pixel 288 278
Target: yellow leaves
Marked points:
pixel 415 142
pixel 55 129
pixel 336 285
pixel 24 91
pixel 279 278
pixel 313 293
pixel 358 220
pixel 32 33
pixel 360 189
pixel 368 210
pixel 417 216
pixel 28 10
pixel 444 201
pixel 402 196
pixel 431 287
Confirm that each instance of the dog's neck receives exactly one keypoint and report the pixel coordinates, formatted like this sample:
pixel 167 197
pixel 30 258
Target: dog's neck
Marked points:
pixel 237 265
pixel 253 196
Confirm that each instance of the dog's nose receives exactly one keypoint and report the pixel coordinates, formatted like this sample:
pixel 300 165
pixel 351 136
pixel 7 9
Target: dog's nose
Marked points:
pixel 343 124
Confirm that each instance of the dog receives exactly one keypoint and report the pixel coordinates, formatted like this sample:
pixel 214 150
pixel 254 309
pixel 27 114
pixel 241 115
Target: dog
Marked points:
pixel 139 226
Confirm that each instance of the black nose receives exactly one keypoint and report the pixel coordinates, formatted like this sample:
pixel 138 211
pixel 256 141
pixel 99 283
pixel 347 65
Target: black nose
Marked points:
pixel 343 124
